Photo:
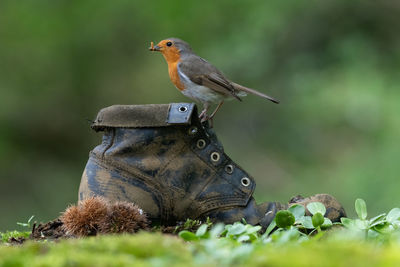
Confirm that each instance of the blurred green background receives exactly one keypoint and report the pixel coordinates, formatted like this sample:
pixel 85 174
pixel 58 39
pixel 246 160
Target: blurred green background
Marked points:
pixel 333 64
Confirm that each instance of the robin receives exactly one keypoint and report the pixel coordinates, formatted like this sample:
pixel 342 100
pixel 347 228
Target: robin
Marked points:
pixel 198 79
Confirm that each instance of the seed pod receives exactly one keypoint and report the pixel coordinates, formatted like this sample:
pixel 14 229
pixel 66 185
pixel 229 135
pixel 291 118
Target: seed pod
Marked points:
pixel 284 219
pixel 317 219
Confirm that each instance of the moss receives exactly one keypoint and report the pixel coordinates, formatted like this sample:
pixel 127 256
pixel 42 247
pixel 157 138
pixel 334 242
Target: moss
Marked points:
pixel 155 249
pixel 121 250
pixel 4 237
pixel 331 253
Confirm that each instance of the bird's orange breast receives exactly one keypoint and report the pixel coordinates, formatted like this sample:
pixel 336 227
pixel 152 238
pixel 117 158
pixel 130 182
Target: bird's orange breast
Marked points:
pixel 174 76
pixel 173 58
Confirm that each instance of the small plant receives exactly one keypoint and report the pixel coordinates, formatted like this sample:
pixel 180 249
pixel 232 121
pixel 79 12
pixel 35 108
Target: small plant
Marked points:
pixel 289 224
pixel 200 233
pixel 294 217
pixel 241 232
pixel 5 237
pixel 191 225
pixel 238 231
pixel 28 223
pixel 379 225
pixel 284 219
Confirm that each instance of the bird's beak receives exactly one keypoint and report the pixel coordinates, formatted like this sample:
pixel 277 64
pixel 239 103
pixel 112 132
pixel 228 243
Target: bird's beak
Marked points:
pixel 154 48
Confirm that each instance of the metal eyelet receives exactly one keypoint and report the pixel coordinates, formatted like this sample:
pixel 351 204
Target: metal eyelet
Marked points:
pixel 229 169
pixel 193 130
pixel 245 181
pixel 215 156
pixel 182 109
pixel 201 143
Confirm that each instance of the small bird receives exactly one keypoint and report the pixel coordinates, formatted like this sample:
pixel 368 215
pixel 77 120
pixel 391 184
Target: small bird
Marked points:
pixel 198 79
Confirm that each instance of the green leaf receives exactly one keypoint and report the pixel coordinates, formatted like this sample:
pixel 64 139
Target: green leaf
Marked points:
pixel 243 238
pixel 285 236
pixel 28 223
pixel 217 230
pixel 224 232
pixel 373 234
pixel 378 219
pixel 236 229
pixel 188 236
pixel 327 223
pixel 297 210
pixel 202 230
pixel 361 224
pixel 348 223
pixel 306 221
pixel 393 215
pixel 384 228
pixel 315 207
pixel 253 237
pixel 30 219
pixel 250 229
pixel 270 227
pixel 284 219
pixel 317 219
pixel 361 208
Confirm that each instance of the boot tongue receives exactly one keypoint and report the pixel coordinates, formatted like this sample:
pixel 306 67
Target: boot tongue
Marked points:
pixel 142 116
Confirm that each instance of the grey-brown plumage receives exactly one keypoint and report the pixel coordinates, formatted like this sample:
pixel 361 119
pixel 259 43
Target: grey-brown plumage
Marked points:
pixel 199 79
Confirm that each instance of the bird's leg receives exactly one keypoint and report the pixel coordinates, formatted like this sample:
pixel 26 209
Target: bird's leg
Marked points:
pixel 203 115
pixel 215 111
pixel 210 119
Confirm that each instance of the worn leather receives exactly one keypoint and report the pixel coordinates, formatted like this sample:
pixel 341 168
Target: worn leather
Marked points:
pixel 163 159
pixel 142 116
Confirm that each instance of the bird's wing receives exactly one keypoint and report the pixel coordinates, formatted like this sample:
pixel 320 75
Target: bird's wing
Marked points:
pixel 201 72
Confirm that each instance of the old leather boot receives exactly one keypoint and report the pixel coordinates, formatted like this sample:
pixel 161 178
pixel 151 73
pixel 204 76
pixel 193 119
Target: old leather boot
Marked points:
pixel 163 159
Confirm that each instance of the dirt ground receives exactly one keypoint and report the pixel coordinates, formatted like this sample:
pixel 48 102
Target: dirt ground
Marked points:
pixel 53 231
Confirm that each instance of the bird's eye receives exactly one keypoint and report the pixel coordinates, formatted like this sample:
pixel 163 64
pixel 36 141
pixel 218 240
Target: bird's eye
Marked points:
pixel 169 44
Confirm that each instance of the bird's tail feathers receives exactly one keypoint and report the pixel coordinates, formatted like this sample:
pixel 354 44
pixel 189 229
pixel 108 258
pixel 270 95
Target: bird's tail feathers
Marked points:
pixel 241 93
pixel 245 90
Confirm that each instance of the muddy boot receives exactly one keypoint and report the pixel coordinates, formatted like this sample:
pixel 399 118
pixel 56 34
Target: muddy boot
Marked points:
pixel 163 159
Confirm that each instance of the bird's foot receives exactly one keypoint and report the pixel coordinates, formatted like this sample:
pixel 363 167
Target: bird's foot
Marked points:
pixel 203 114
pixel 204 118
